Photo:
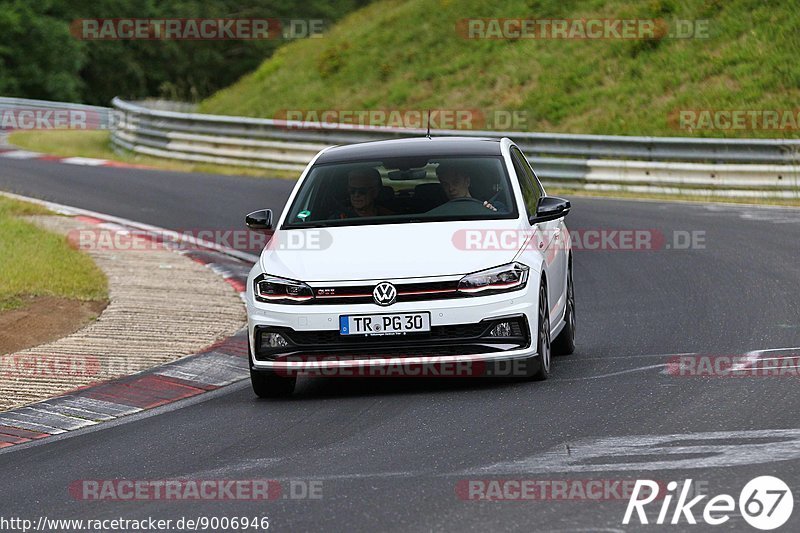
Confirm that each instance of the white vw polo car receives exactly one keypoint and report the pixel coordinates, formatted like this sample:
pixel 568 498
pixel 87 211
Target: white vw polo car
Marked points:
pixel 421 253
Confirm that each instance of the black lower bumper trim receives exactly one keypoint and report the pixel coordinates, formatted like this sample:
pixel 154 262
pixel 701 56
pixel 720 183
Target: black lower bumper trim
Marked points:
pixel 274 343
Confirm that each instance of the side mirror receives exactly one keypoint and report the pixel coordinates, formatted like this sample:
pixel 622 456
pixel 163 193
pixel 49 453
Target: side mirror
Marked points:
pixel 259 220
pixel 550 208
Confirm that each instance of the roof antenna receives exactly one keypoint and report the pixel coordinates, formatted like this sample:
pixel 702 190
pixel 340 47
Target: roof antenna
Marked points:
pixel 428 122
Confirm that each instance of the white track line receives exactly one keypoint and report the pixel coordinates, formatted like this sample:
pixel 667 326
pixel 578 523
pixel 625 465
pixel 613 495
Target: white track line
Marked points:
pixel 775 350
pixel 20 154
pixel 87 161
pixel 612 374
pixel 786 367
pixel 172 235
pixel 632 356
pixel 755 356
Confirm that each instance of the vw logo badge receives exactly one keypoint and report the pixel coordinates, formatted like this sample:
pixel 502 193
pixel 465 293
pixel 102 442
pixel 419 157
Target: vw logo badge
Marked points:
pixel 384 293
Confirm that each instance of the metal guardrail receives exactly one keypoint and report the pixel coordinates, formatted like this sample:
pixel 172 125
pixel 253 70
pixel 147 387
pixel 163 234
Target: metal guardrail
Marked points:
pixel 721 167
pixel 725 167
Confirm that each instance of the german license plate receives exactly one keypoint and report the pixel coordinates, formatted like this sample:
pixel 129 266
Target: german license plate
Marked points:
pixel 393 324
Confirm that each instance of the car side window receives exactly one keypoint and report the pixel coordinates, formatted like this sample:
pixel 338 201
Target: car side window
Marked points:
pixel 532 174
pixel 527 181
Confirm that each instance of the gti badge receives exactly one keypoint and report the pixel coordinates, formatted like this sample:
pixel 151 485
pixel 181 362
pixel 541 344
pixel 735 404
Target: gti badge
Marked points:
pixel 384 293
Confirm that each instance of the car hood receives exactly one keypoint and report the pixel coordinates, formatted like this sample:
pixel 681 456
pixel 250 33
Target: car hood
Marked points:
pixel 389 251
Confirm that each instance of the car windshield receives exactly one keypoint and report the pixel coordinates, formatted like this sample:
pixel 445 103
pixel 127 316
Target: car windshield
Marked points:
pixel 403 190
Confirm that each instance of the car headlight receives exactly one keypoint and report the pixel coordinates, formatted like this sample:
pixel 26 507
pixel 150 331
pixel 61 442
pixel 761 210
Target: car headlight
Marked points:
pixel 508 277
pixel 273 289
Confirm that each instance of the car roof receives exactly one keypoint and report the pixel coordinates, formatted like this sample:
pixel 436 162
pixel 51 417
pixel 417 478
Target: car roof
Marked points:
pixel 417 146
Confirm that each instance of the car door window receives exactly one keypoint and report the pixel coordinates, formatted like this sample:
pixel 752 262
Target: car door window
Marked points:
pixel 532 174
pixel 530 191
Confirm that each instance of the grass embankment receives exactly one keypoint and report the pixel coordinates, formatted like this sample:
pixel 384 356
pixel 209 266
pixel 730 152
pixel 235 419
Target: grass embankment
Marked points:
pixel 97 144
pixel 408 55
pixel 35 262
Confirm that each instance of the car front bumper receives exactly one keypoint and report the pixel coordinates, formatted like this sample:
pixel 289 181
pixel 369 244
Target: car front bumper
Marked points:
pixel 459 329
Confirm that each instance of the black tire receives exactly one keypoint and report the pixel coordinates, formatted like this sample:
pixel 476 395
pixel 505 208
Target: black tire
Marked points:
pixel 564 344
pixel 267 384
pixel 541 365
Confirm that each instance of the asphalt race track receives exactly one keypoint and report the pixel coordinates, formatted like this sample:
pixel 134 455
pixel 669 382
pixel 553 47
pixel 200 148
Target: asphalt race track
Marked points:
pixel 395 454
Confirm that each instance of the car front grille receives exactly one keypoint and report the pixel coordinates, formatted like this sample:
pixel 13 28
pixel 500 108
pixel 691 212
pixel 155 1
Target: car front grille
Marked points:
pixel 406 292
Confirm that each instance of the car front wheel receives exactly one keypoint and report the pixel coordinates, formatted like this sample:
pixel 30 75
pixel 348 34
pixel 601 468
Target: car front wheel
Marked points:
pixel 564 344
pixel 542 370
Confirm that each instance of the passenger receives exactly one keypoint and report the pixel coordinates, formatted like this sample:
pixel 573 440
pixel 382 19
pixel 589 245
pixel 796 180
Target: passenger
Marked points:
pixel 363 187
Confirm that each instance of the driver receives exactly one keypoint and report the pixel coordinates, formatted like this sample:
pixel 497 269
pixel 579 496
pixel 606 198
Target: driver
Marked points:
pixel 455 180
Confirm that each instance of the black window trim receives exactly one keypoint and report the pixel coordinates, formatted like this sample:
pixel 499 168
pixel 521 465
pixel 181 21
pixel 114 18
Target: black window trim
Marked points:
pixel 519 157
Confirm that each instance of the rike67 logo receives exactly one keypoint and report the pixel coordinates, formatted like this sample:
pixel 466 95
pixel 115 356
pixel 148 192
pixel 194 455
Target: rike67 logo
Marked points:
pixel 765 503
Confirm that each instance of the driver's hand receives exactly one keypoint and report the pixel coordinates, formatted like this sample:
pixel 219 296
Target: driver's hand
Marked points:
pixel 487 205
